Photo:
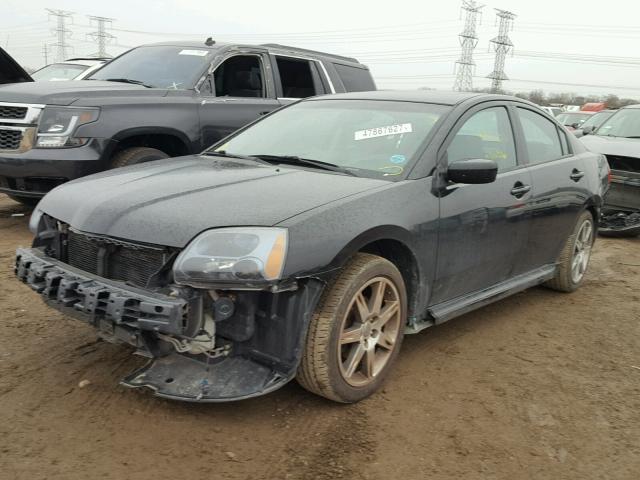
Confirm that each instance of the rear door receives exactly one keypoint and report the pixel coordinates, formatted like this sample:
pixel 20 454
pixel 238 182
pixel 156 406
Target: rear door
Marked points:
pixel 239 92
pixel 559 186
pixel 482 228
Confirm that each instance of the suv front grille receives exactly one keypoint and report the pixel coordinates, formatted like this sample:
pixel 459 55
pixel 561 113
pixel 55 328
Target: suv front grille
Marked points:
pixel 109 258
pixel 10 139
pixel 12 113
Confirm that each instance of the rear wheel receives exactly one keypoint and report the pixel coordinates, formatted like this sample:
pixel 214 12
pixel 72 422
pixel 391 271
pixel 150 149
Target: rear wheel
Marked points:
pixel 575 256
pixel 356 332
pixel 134 155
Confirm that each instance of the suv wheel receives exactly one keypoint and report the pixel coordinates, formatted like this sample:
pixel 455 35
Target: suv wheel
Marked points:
pixel 132 156
pixel 575 256
pixel 356 331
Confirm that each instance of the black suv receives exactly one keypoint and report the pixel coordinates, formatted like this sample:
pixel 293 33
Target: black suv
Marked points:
pixel 152 102
pixel 308 243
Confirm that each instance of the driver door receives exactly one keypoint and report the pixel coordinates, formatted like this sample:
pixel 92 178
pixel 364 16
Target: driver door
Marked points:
pixel 482 228
pixel 238 92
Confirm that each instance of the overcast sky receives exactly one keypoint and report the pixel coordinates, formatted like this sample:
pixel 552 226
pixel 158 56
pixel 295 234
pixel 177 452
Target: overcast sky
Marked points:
pixel 581 46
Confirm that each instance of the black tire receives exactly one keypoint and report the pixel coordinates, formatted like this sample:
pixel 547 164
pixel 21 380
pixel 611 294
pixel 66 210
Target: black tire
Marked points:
pixel 134 155
pixel 27 201
pixel 321 369
pixel 564 281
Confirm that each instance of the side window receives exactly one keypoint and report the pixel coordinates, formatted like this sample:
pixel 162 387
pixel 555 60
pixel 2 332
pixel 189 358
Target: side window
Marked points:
pixel 239 76
pixel 297 78
pixel 355 79
pixel 486 134
pixel 540 136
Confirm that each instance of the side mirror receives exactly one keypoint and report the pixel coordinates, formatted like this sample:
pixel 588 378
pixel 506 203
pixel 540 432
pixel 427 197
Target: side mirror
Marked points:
pixel 472 171
pixel 575 125
pixel 588 130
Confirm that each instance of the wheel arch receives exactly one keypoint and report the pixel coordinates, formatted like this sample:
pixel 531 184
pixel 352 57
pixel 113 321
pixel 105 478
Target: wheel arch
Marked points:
pixel 394 244
pixel 169 140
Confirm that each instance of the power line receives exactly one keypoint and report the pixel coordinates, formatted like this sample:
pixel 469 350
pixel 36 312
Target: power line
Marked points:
pixel 501 44
pixel 468 40
pixel 62 33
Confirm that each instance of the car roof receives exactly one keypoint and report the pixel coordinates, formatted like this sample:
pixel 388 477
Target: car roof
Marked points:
pixel 419 96
pixel 272 47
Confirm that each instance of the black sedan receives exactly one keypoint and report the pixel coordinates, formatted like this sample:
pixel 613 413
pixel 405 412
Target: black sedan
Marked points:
pixel 308 243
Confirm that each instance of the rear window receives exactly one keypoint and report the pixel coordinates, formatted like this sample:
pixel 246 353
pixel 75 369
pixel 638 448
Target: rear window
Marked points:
pixel 355 79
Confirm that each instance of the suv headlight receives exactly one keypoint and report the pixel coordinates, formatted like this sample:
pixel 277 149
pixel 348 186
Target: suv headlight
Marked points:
pixel 250 255
pixel 58 124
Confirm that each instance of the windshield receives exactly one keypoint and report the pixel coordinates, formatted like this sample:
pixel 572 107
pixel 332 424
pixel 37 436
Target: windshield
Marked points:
pixel 369 138
pixel 625 123
pixel 59 71
pixel 571 118
pixel 173 67
pixel 597 119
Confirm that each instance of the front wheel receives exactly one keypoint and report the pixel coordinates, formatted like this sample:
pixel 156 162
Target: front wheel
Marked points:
pixel 575 256
pixel 135 155
pixel 356 331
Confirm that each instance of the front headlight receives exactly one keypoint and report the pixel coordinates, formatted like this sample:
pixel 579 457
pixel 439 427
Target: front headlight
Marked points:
pixel 58 124
pixel 251 255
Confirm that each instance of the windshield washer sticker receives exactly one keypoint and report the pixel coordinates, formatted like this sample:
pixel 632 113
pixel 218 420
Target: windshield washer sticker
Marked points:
pixel 398 159
pixel 383 131
pixel 195 53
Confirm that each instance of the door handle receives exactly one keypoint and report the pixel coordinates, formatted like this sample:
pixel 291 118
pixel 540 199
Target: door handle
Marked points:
pixel 265 112
pixel 576 175
pixel 520 189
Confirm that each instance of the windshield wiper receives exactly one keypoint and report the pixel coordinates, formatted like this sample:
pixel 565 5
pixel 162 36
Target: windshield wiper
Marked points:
pixel 293 160
pixel 128 80
pixel 222 153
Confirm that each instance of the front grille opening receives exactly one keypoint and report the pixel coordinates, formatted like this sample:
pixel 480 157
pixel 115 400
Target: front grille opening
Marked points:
pixel 12 113
pixel 136 264
pixel 10 139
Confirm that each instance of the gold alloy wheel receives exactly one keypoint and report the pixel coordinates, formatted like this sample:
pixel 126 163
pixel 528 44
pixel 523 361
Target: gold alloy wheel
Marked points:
pixel 369 331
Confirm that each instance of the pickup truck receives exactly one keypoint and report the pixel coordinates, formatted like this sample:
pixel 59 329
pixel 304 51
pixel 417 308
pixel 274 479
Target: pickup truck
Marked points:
pixel 154 101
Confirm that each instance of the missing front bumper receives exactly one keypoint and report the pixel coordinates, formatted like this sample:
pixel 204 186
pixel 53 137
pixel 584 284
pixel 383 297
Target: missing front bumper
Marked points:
pixel 179 377
pixel 265 336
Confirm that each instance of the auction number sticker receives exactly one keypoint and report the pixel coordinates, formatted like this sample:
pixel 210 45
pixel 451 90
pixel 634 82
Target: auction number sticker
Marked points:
pixel 383 131
pixel 196 53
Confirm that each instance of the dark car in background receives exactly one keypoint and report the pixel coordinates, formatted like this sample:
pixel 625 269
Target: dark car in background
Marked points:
pixel 306 244
pixel 618 138
pixel 11 71
pixel 154 101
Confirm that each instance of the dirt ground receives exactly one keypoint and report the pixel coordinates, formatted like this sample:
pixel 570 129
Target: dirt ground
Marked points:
pixel 540 386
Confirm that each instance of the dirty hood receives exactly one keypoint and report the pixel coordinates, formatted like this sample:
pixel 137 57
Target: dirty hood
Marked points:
pixel 11 71
pixel 168 202
pixel 623 147
pixel 95 92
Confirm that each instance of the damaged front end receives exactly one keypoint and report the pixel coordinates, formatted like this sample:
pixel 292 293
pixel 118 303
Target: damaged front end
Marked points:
pixel 205 344
pixel 621 214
